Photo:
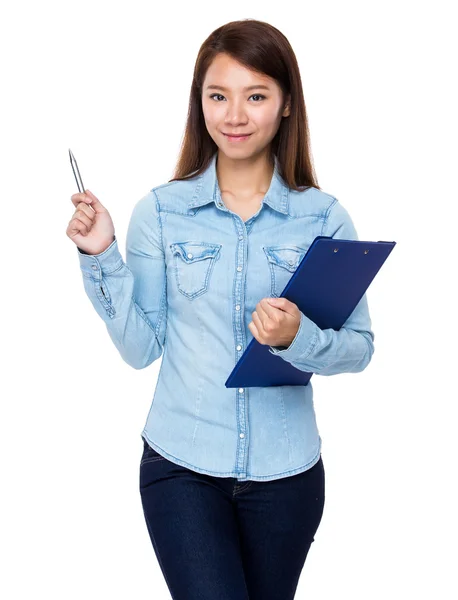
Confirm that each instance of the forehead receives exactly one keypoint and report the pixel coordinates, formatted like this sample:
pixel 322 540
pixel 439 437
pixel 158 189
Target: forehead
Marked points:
pixel 227 72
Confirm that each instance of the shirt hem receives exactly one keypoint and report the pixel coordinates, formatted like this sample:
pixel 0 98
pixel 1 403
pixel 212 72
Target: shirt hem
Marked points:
pixel 234 474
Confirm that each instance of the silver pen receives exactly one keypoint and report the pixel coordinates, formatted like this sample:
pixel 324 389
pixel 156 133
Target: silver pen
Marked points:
pixel 76 172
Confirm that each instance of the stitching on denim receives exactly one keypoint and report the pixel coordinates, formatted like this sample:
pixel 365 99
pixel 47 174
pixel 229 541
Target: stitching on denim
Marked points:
pixel 234 473
pixel 162 309
pixel 243 488
pixel 285 421
pixel 140 313
pixel 106 304
pixel 115 268
pixel 163 305
pixel 179 261
pixel 158 213
pixel 313 344
pixel 154 458
pixel 326 217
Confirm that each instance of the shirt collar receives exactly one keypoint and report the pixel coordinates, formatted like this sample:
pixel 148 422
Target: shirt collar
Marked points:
pixel 207 189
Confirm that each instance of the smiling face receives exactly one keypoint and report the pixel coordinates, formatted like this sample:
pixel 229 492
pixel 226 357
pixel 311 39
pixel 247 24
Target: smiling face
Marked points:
pixel 238 101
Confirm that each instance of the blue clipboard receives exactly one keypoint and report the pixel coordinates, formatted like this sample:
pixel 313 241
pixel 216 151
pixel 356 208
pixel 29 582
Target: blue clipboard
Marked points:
pixel 339 272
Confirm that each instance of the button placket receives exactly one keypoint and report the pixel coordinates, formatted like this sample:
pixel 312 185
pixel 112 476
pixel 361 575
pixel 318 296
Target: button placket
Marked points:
pixel 239 329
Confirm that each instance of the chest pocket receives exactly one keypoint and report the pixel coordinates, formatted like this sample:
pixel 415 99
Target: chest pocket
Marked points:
pixel 193 265
pixel 283 261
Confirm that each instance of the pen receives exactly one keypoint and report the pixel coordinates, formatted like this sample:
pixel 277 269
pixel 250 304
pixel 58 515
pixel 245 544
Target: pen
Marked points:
pixel 76 172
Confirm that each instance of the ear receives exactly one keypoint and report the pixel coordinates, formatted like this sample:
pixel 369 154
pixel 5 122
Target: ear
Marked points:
pixel 287 107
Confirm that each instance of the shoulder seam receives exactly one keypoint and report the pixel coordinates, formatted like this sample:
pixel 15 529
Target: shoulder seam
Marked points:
pixel 159 220
pixel 328 212
pixel 157 187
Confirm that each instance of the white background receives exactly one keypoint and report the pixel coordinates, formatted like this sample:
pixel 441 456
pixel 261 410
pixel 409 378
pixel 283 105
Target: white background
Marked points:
pixel 111 82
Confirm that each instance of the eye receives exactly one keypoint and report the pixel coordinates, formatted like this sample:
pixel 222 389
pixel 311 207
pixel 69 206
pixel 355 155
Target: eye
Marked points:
pixel 259 95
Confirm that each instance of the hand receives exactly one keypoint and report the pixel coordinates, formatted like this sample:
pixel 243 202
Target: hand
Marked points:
pixel 90 227
pixel 275 321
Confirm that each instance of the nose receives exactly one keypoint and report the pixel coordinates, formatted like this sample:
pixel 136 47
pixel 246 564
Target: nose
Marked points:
pixel 235 120
pixel 235 115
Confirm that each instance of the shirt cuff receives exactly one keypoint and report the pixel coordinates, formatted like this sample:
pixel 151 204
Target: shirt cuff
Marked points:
pixel 104 263
pixel 302 344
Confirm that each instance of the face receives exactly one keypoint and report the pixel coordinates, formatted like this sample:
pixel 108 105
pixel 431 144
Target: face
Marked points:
pixel 236 100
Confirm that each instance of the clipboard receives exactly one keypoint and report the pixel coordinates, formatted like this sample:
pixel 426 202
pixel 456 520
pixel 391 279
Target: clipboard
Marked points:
pixel 330 280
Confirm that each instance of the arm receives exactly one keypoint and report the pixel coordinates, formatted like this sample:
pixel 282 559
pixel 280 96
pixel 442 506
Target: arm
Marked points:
pixel 131 296
pixel 326 351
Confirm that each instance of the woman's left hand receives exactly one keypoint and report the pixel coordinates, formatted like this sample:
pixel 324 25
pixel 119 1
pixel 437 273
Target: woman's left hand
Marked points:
pixel 275 321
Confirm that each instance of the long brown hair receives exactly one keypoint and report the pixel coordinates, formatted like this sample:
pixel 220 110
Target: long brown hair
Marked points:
pixel 261 47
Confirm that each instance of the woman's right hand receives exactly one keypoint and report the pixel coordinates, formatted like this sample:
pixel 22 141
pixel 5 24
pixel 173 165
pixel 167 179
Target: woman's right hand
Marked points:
pixel 90 227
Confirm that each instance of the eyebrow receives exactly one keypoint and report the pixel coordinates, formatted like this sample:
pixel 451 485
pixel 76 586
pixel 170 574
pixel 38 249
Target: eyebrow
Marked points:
pixel 250 87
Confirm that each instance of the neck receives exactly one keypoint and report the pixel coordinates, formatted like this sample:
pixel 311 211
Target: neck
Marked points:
pixel 244 178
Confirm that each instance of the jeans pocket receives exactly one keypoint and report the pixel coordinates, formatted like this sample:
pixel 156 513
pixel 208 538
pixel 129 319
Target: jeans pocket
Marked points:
pixel 149 454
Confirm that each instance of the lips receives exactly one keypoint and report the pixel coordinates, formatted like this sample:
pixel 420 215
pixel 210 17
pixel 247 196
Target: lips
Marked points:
pixel 236 135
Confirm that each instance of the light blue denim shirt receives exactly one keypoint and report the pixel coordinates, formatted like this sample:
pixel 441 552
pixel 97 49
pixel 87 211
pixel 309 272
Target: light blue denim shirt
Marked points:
pixel 193 274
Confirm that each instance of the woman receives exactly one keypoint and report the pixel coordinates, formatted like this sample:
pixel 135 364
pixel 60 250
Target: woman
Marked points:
pixel 231 480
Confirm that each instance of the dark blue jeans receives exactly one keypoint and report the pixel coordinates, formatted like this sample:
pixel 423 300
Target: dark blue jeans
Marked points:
pixel 217 538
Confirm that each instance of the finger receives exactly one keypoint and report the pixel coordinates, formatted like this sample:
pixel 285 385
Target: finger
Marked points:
pixel 258 324
pixel 254 330
pixel 76 226
pixel 265 310
pixel 80 197
pixel 268 314
pixel 86 209
pixel 81 216
pixel 95 202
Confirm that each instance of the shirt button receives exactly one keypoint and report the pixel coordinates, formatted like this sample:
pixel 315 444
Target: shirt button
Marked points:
pixel 94 267
pixel 241 390
pixel 291 262
pixel 189 255
pixel 239 268
pixel 237 307
pixel 240 237
pixel 239 347
pixel 242 435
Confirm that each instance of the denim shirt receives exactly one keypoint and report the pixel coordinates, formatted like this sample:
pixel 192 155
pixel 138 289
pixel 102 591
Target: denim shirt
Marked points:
pixel 193 274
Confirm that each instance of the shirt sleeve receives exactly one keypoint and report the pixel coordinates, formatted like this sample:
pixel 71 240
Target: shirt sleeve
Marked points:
pixel 131 296
pixel 327 351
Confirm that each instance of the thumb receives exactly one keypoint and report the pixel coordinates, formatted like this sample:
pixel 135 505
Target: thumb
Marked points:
pixel 96 204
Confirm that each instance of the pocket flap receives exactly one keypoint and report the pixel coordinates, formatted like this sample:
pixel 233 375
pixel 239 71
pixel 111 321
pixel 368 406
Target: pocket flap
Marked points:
pixel 193 251
pixel 287 257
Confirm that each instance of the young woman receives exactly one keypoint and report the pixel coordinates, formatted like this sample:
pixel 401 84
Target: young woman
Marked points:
pixel 231 479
